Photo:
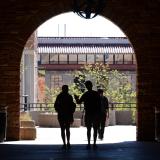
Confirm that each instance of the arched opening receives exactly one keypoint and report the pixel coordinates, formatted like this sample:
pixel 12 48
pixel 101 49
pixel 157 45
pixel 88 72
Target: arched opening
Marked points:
pixel 124 14
pixel 119 50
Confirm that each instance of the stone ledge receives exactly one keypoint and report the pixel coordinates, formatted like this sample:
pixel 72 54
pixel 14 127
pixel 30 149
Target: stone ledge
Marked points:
pixel 27 133
pixel 50 120
pixel 29 123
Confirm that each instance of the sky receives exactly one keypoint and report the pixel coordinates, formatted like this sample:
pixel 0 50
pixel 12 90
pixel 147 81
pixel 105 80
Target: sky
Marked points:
pixel 71 25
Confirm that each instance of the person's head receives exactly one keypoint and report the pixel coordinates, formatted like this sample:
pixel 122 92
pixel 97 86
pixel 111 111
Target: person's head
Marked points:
pixel 88 85
pixel 100 91
pixel 65 88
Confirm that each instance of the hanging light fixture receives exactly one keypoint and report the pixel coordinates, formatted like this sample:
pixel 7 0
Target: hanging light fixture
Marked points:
pixel 88 9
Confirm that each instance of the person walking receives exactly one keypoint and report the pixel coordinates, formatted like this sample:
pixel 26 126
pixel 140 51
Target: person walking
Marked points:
pixel 104 113
pixel 91 101
pixel 65 107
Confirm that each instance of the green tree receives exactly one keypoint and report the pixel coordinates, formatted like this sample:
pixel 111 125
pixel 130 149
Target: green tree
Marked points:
pixel 115 84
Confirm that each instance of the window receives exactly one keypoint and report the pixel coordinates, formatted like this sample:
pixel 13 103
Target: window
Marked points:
pixel 81 59
pixel 44 58
pixel 53 58
pixel 128 59
pixel 99 58
pixel 63 59
pixel 108 58
pixel 56 81
pixel 90 59
pixel 118 58
pixel 72 59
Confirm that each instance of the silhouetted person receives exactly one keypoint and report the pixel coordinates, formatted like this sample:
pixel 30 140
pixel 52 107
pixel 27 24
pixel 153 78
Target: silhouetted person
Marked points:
pixel 104 113
pixel 65 108
pixel 91 101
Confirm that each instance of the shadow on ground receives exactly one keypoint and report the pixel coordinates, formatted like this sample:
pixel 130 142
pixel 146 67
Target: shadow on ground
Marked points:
pixel 115 151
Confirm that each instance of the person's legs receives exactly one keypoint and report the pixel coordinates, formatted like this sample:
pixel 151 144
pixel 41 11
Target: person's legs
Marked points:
pixel 96 125
pixel 88 125
pixel 68 134
pixel 100 131
pixel 63 134
pixel 103 122
pixel 95 130
pixel 88 136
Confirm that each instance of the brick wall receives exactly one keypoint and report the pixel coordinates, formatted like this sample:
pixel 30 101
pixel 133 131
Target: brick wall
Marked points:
pixel 138 19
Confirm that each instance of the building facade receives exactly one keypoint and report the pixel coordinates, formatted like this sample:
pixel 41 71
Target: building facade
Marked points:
pixel 60 56
pixel 28 76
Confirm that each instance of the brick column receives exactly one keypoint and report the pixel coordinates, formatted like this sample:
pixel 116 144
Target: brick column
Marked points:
pixel 9 88
pixel 148 89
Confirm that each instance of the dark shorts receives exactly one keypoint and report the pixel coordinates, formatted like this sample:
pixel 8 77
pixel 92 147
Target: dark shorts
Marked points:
pixel 65 119
pixel 92 121
pixel 103 118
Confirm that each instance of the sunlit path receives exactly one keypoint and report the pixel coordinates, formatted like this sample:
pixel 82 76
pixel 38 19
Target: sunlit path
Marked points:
pixel 113 134
pixel 118 144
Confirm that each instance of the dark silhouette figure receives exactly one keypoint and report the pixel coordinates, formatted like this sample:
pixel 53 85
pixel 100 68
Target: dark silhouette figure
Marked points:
pixel 104 113
pixel 65 108
pixel 91 101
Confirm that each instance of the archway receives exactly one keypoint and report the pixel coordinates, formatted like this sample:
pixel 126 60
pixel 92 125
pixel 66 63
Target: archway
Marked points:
pixel 124 61
pixel 124 14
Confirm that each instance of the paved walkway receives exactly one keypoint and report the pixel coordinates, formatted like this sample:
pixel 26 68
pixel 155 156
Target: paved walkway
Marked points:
pixel 113 134
pixel 119 144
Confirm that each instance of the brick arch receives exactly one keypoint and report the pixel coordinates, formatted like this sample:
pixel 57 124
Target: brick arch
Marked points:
pixel 139 20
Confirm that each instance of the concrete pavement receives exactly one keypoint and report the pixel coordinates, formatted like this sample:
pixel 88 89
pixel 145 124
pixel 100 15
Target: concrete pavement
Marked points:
pixel 113 134
pixel 119 144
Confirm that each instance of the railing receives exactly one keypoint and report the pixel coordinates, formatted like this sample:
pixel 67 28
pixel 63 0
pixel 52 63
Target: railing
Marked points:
pixel 49 107
pixel 118 105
